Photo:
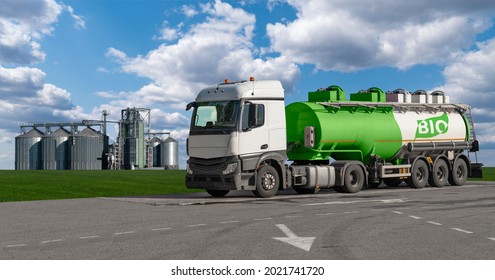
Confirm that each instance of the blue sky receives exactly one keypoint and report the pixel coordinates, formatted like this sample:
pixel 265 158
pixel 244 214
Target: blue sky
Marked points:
pixel 69 60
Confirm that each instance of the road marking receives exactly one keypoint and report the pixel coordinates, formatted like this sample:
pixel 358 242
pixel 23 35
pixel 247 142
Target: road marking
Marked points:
pixel 15 245
pixel 157 229
pixel 197 225
pixel 303 243
pixel 399 200
pixel 398 212
pixel 229 222
pixel 125 232
pixel 51 241
pixel 434 223
pixel 324 214
pixel 262 219
pixel 491 238
pixel 462 230
pixel 415 217
pixel 294 216
pixel 350 212
pixel 89 237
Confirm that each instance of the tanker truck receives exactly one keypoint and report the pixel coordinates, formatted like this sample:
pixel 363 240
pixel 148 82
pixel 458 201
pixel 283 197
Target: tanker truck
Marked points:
pixel 242 137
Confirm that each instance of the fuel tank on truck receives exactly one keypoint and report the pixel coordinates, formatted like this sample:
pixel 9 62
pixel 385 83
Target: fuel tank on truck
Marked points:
pixel 367 125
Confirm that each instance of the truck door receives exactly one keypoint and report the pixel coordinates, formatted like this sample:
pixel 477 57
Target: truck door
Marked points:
pixel 254 134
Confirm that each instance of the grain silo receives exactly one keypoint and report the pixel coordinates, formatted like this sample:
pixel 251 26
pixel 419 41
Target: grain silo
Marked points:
pixel 86 149
pixel 55 150
pixel 170 154
pixel 155 149
pixel 28 150
pixel 133 123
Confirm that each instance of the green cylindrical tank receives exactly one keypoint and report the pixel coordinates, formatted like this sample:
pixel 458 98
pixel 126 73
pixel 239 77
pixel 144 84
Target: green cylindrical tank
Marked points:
pixel 357 132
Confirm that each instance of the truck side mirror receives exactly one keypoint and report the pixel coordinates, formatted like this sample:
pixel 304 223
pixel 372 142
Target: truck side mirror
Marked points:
pixel 190 105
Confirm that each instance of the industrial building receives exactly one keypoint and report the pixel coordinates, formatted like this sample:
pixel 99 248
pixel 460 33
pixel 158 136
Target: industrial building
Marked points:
pixel 85 145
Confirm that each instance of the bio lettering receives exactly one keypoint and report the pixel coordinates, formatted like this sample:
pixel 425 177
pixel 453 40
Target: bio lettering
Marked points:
pixel 432 127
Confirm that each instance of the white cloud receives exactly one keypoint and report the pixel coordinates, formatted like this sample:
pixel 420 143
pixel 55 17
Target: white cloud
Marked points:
pixel 189 10
pixel 469 79
pixel 79 22
pixel 22 25
pixel 352 35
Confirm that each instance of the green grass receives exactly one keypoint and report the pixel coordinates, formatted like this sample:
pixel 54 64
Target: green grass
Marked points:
pixel 21 185
pixel 488 174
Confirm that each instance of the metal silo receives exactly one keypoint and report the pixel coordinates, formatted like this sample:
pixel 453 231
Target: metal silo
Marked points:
pixel 28 150
pixel 170 154
pixel 131 136
pixel 55 150
pixel 155 149
pixel 86 149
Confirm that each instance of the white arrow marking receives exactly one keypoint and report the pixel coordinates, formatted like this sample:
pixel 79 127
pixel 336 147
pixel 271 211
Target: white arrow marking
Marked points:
pixel 304 243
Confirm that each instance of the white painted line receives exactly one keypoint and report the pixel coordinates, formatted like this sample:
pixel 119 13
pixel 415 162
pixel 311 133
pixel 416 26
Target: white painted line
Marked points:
pixel 51 241
pixel 351 212
pixel 294 216
pixel 434 223
pixel 324 214
pixel 462 230
pixel 15 245
pixel 262 219
pixel 491 238
pixel 89 237
pixel 229 222
pixel 197 225
pixel 415 217
pixel 398 212
pixel 125 232
pixel 398 200
pixel 157 229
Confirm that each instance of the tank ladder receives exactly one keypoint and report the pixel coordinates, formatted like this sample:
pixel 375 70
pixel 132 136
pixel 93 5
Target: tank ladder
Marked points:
pixel 472 133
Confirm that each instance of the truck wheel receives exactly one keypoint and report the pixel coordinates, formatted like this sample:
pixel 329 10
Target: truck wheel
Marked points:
pixel 419 175
pixel 392 182
pixel 353 179
pixel 267 182
pixel 302 190
pixel 439 174
pixel 217 193
pixel 459 173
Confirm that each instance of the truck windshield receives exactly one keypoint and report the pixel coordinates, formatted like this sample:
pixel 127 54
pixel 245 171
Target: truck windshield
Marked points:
pixel 215 117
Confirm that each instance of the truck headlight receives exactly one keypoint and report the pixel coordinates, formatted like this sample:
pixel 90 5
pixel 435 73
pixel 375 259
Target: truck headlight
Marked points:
pixel 231 167
pixel 188 170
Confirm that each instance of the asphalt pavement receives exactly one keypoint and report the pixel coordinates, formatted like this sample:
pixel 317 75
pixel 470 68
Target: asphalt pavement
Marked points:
pixel 385 223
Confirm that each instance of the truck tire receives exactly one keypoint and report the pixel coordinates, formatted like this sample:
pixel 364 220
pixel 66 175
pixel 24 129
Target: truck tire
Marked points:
pixel 217 193
pixel 459 173
pixel 392 182
pixel 419 175
pixel 353 179
pixel 439 174
pixel 267 182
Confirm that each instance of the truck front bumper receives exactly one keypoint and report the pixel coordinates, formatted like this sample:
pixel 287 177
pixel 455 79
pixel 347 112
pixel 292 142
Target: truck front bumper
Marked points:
pixel 217 174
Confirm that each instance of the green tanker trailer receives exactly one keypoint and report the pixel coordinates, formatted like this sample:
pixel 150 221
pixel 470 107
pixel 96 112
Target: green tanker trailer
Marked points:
pixel 242 138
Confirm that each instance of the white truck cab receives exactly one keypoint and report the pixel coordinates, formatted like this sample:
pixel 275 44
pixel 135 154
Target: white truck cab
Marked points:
pixel 234 143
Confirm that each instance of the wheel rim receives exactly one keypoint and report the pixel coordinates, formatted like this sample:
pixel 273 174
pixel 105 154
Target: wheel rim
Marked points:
pixel 268 181
pixel 459 172
pixel 441 173
pixel 420 174
pixel 353 178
